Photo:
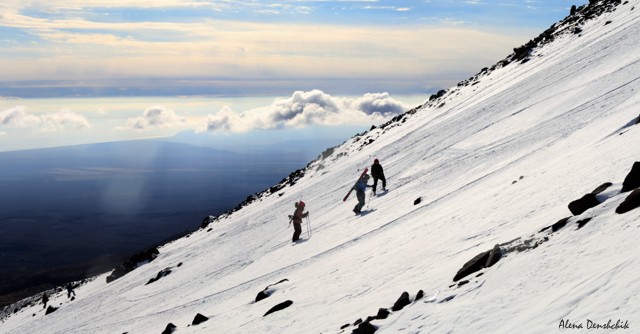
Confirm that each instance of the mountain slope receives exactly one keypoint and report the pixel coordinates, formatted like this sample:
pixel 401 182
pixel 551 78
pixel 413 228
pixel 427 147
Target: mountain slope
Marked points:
pixel 493 161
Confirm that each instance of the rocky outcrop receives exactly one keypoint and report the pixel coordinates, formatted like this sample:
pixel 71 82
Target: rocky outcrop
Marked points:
pixel 132 263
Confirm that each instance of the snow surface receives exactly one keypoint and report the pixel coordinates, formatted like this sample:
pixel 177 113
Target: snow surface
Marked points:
pixel 500 160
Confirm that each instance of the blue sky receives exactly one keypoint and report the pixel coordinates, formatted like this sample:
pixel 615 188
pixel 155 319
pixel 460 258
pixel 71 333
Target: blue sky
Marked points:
pixel 76 71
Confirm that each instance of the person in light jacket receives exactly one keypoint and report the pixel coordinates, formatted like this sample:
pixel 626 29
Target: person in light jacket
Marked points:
pixel 360 188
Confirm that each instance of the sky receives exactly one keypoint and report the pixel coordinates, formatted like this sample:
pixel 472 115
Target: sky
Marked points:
pixel 280 49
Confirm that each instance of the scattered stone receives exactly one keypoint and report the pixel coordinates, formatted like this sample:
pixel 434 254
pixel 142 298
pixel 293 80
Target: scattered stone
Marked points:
pixel 199 318
pixel 583 204
pixel 401 302
pixel 345 326
pixel 357 322
pixel 631 202
pixel 420 295
pixel 279 307
pixel 461 283
pixel 417 201
pixel 50 309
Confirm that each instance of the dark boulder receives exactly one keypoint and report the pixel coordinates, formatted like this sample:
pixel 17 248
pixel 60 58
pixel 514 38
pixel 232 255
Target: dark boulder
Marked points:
pixel 573 10
pixel 559 224
pixel 279 307
pixel 267 291
pixel 50 309
pixel 583 222
pixel 401 302
pixel 199 318
pixel 420 295
pixel 365 328
pixel 583 204
pixel 473 265
pixel 383 313
pixel 602 188
pixel 169 329
pixel 417 201
pixel 632 180
pixel 207 220
pixel 494 256
pixel 631 202
pixel 162 273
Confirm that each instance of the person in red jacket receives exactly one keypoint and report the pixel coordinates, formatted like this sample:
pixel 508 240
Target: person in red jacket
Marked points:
pixel 378 174
pixel 297 220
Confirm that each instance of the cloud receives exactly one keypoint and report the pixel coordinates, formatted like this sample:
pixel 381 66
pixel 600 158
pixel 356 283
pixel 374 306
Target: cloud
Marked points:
pixel 307 108
pixel 58 121
pixel 153 118
pixel 17 117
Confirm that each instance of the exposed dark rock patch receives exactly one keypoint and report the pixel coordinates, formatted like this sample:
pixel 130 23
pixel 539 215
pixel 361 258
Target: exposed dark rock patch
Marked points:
pixel 631 202
pixel 279 307
pixel 50 310
pixel 417 201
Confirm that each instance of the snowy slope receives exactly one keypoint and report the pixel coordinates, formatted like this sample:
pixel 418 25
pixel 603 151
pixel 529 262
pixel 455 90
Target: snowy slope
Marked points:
pixel 495 159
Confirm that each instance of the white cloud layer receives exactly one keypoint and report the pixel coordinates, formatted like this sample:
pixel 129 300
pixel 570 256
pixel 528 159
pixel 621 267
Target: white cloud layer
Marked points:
pixel 18 117
pixel 153 118
pixel 307 108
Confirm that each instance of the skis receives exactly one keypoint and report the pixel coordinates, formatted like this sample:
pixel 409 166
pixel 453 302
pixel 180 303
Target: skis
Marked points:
pixel 350 190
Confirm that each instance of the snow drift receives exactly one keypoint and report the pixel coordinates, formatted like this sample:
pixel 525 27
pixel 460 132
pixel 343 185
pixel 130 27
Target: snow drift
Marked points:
pixel 474 236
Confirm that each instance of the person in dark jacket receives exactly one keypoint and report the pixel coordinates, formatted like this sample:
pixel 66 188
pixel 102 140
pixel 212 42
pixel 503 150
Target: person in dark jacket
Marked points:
pixel 360 188
pixel 297 220
pixel 378 174
pixel 70 291
pixel 45 299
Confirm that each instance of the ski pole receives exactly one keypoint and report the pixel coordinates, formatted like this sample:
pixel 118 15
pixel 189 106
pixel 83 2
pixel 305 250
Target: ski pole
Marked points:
pixel 308 227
